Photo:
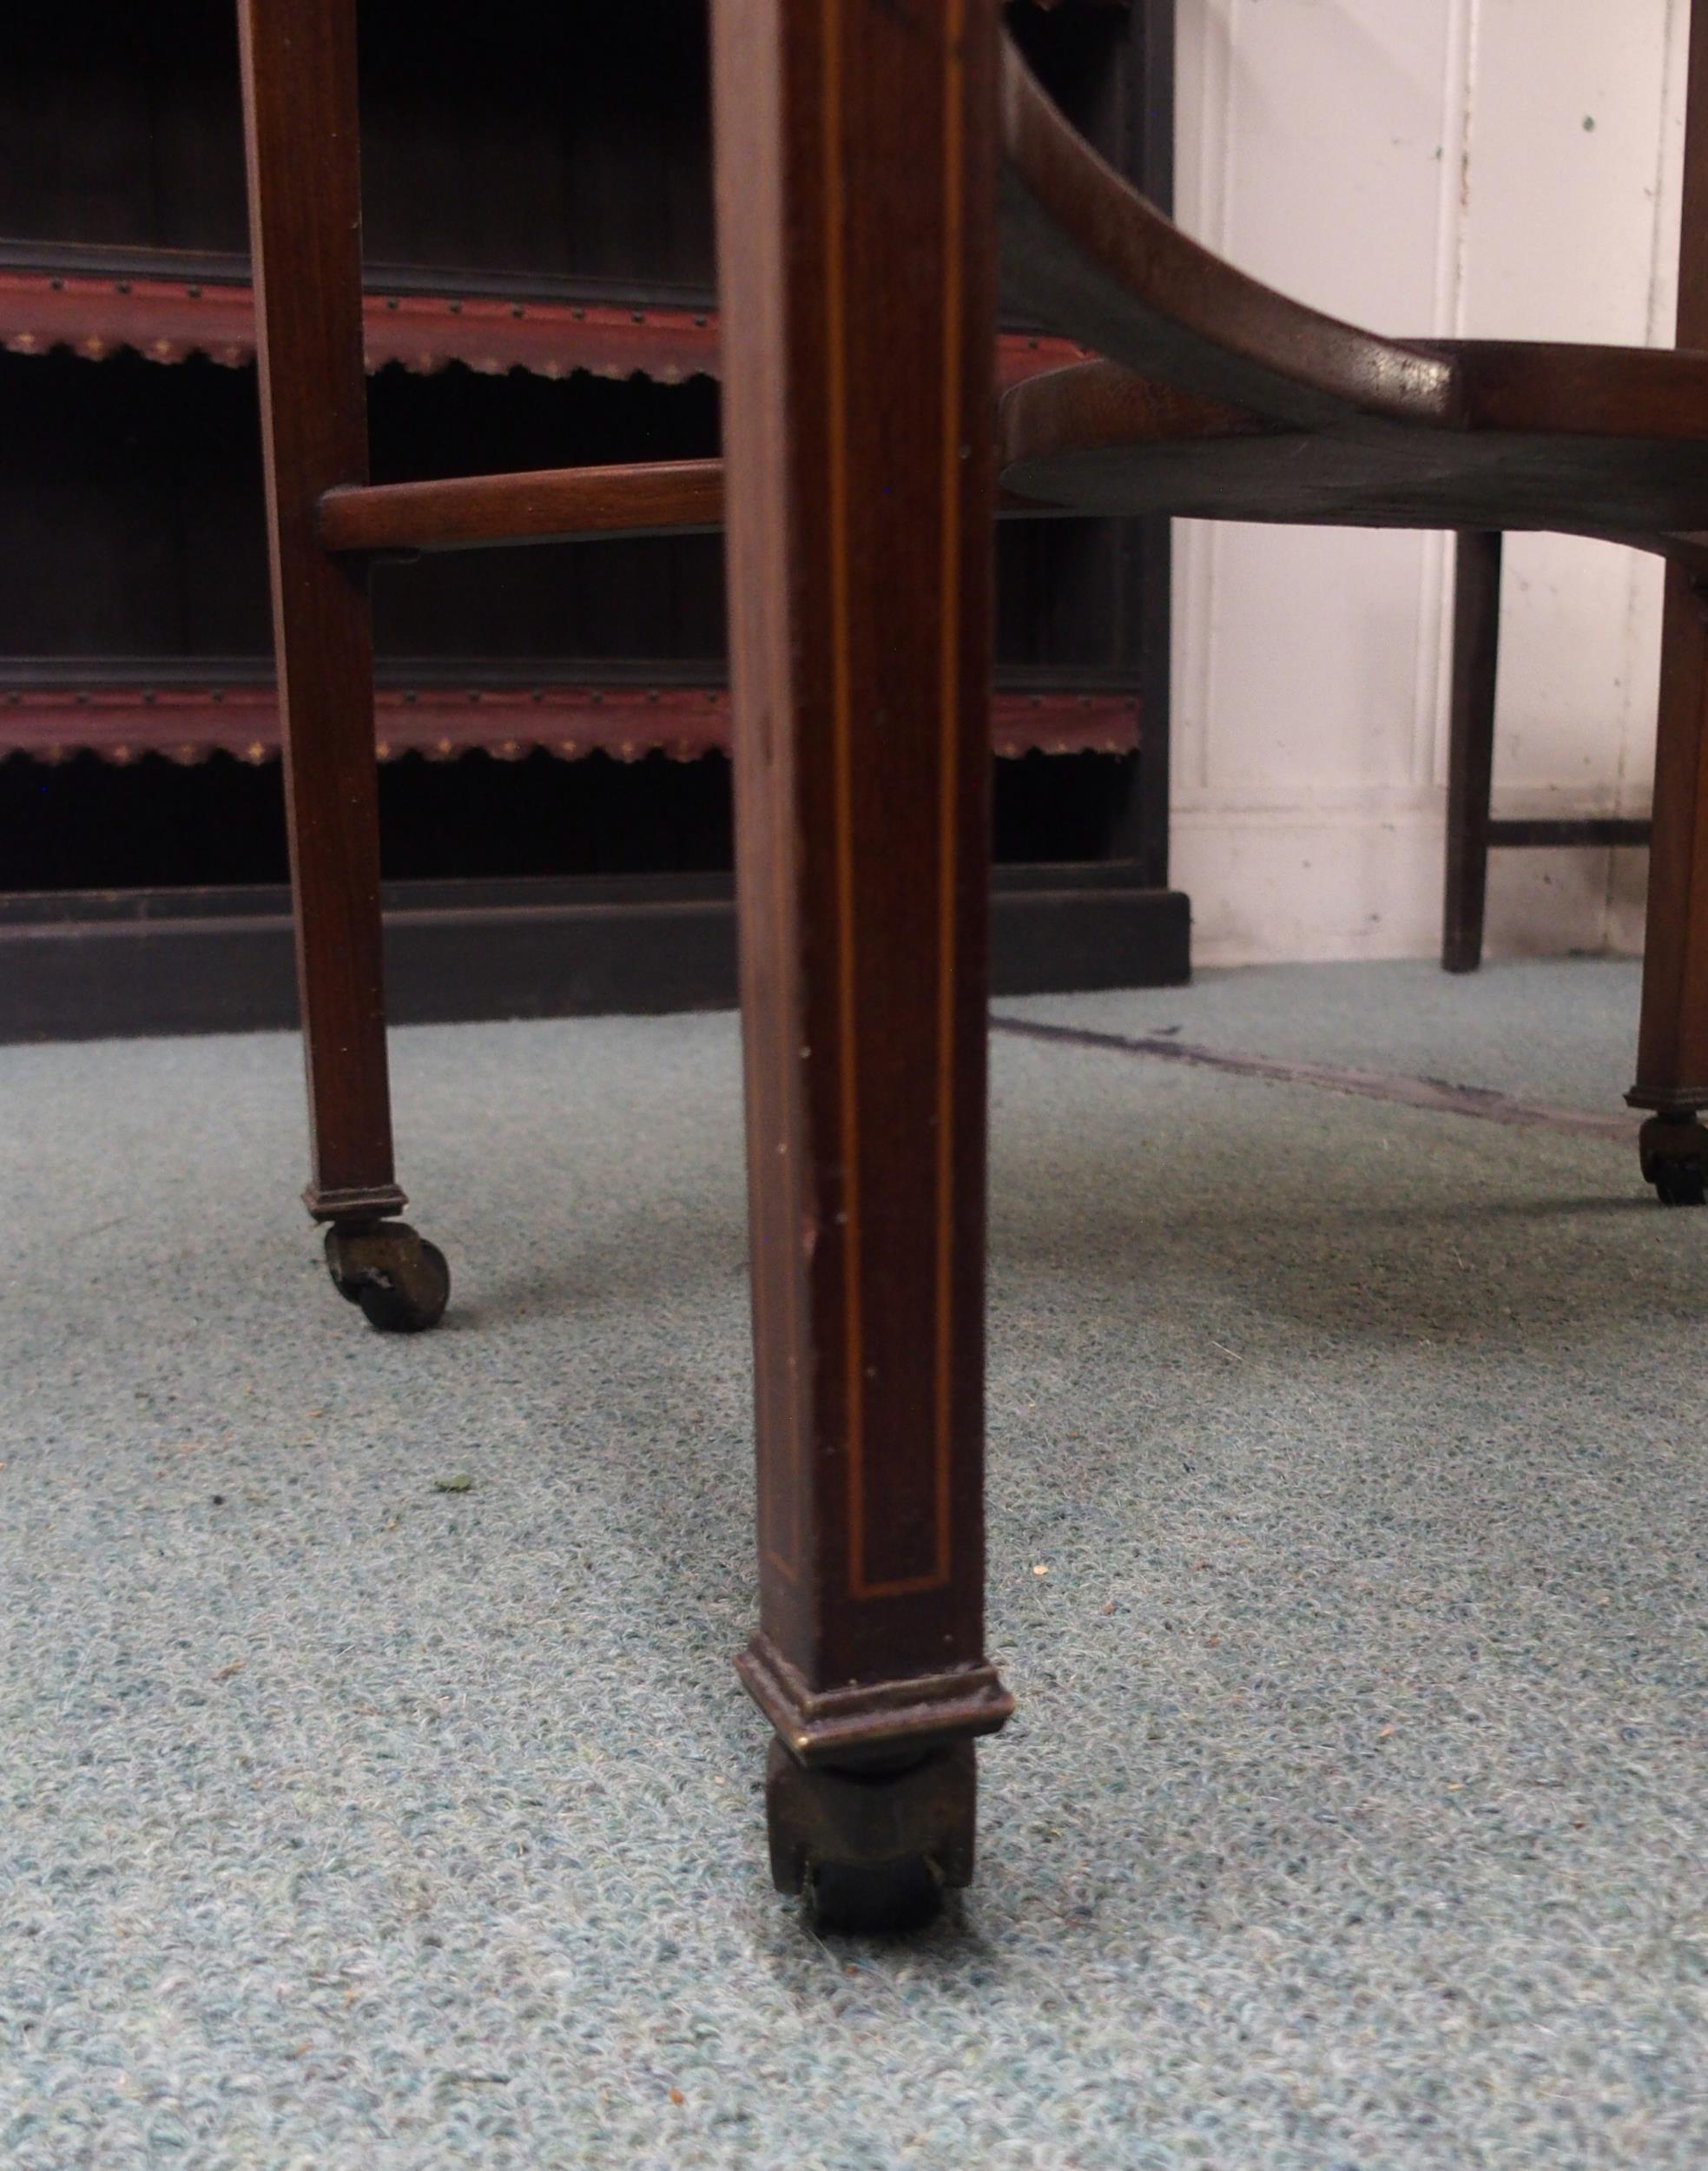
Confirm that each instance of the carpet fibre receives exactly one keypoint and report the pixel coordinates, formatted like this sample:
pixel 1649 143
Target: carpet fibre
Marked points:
pixel 376 1789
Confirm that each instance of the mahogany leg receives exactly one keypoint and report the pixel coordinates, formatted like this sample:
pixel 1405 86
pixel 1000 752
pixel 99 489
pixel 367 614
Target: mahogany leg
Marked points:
pixel 1673 1042
pixel 855 163
pixel 1476 655
pixel 299 65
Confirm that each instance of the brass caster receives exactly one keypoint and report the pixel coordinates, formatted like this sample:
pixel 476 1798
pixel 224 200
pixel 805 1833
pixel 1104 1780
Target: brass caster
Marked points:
pixel 872 1849
pixel 1674 1153
pixel 401 1281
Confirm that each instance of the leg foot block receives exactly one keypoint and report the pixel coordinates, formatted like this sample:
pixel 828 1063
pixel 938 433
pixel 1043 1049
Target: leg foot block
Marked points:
pixel 872 1848
pixel 1674 1150
pixel 401 1281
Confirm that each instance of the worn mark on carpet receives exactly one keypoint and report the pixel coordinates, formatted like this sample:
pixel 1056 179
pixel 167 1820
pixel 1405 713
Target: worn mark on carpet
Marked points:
pixel 1440 1094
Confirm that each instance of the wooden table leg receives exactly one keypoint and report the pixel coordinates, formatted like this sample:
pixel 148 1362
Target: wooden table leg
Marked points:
pixel 1476 657
pixel 855 163
pixel 299 65
pixel 1672 1042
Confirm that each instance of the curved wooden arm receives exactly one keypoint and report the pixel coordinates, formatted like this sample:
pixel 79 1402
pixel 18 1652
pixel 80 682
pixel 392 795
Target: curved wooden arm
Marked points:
pixel 1088 257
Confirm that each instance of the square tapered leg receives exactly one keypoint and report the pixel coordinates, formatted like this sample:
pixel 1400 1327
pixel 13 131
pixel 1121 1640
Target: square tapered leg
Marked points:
pixel 855 166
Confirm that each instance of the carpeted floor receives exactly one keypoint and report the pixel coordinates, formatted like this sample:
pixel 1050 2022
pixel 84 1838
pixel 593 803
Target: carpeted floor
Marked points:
pixel 1349 1557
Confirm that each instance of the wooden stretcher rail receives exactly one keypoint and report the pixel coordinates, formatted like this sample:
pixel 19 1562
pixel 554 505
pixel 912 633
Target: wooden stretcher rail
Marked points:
pixel 1551 831
pixel 549 504
pixel 468 511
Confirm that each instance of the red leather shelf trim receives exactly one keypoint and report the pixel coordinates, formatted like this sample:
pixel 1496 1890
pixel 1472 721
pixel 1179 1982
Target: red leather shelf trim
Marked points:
pixel 188 725
pixel 167 320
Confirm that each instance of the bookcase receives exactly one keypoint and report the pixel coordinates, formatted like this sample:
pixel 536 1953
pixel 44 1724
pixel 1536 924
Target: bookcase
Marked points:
pixel 552 723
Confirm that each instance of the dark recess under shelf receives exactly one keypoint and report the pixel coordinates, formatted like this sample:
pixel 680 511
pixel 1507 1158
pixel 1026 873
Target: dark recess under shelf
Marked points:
pixel 220 960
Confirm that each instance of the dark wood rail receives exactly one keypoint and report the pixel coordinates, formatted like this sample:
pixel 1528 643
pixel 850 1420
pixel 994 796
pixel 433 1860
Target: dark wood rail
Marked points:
pixel 1549 832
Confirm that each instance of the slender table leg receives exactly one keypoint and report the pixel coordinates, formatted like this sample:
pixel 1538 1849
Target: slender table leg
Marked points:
pixel 1476 657
pixel 1672 1043
pixel 855 162
pixel 299 62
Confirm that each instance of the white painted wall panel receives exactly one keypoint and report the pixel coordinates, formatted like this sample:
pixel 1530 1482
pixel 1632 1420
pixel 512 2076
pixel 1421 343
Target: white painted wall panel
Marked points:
pixel 1420 166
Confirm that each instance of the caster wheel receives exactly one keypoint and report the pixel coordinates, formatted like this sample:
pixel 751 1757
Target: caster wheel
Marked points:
pixel 401 1281
pixel 871 1849
pixel 1680 1183
pixel 874 1899
pixel 1674 1152
pixel 350 1291
pixel 393 1308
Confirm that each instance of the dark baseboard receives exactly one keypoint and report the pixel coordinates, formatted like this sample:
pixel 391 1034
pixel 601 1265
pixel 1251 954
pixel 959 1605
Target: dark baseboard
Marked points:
pixel 121 964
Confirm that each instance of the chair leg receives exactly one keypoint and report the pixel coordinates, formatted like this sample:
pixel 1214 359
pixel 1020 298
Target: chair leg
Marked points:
pixel 1476 655
pixel 299 62
pixel 1673 1042
pixel 855 163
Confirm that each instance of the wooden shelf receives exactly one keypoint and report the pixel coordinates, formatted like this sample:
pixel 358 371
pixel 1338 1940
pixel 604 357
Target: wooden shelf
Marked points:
pixel 167 307
pixel 124 709
pixel 551 223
